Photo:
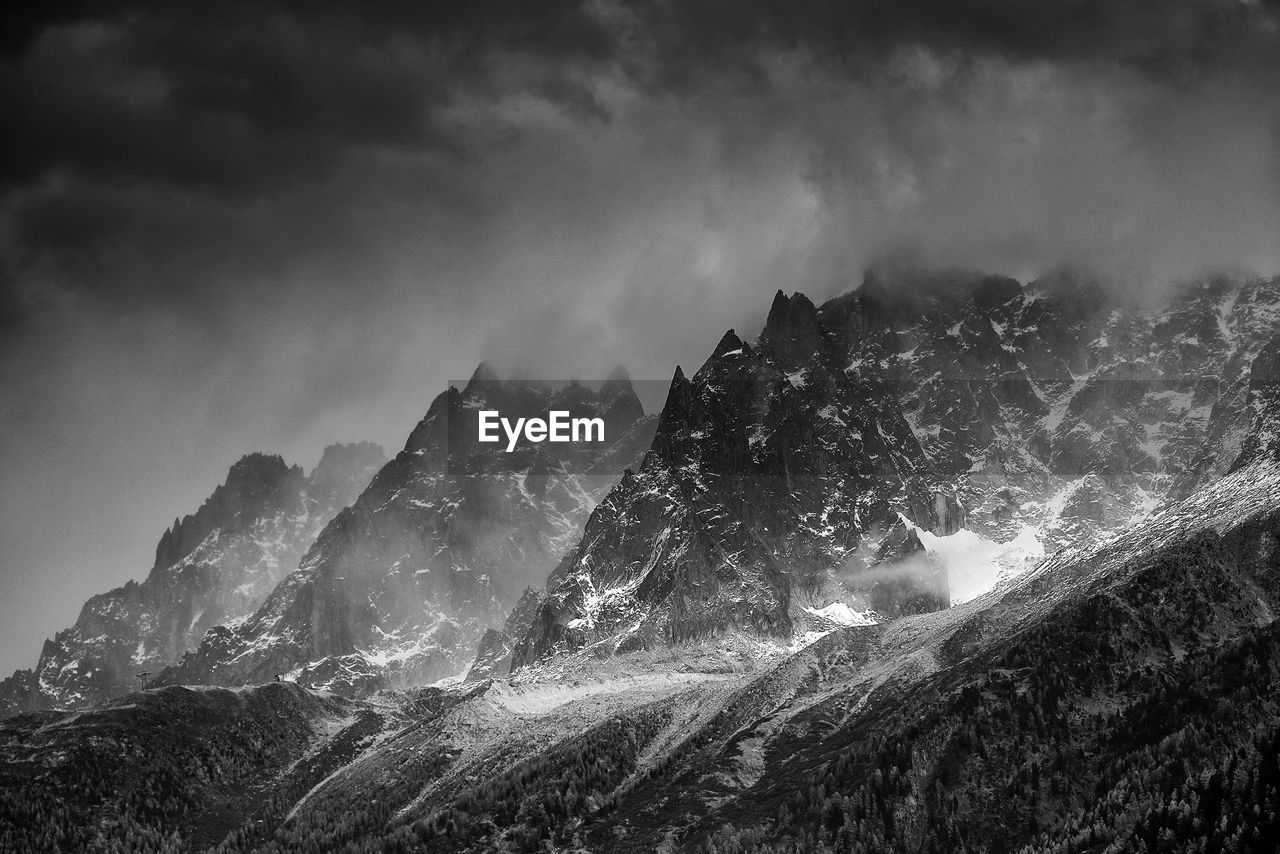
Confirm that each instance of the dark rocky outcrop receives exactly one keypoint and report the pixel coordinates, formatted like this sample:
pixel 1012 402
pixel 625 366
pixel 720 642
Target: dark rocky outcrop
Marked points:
pixel 497 646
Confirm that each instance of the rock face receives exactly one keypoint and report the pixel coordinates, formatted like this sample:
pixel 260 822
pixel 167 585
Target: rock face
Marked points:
pixel 398 589
pixel 211 567
pixel 497 646
pixel 1055 406
pixel 951 401
pixel 1263 439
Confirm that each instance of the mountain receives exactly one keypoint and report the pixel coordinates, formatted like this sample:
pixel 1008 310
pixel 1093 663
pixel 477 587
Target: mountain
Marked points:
pixel 1121 696
pixel 398 588
pixel 212 566
pixel 992 418
pixel 948 563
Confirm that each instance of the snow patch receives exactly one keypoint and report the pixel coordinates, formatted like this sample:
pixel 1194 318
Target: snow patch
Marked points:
pixel 976 564
pixel 839 612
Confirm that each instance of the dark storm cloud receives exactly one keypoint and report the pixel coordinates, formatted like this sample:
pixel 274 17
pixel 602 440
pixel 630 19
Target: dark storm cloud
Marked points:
pixel 243 96
pixel 238 102
pixel 1165 39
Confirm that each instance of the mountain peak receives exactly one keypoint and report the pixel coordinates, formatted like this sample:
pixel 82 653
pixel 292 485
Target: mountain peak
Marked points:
pixel 618 400
pixel 792 331
pixel 255 484
pixel 995 291
pixel 787 311
pixel 342 456
pixel 674 413
pixel 779 306
pixel 484 373
pixel 618 384
pixel 344 470
pixel 729 342
pixel 256 466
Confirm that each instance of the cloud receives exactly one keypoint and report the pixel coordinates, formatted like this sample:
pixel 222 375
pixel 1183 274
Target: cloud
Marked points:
pixel 185 128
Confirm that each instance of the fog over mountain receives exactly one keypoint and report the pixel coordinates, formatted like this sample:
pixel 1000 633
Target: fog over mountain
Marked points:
pixel 271 226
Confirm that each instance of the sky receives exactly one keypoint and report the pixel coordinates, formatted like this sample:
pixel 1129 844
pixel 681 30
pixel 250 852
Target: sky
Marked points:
pixel 273 225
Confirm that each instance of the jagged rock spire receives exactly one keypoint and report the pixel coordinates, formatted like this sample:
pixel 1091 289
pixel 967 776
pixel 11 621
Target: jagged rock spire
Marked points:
pixel 729 342
pixel 792 332
pixel 484 373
